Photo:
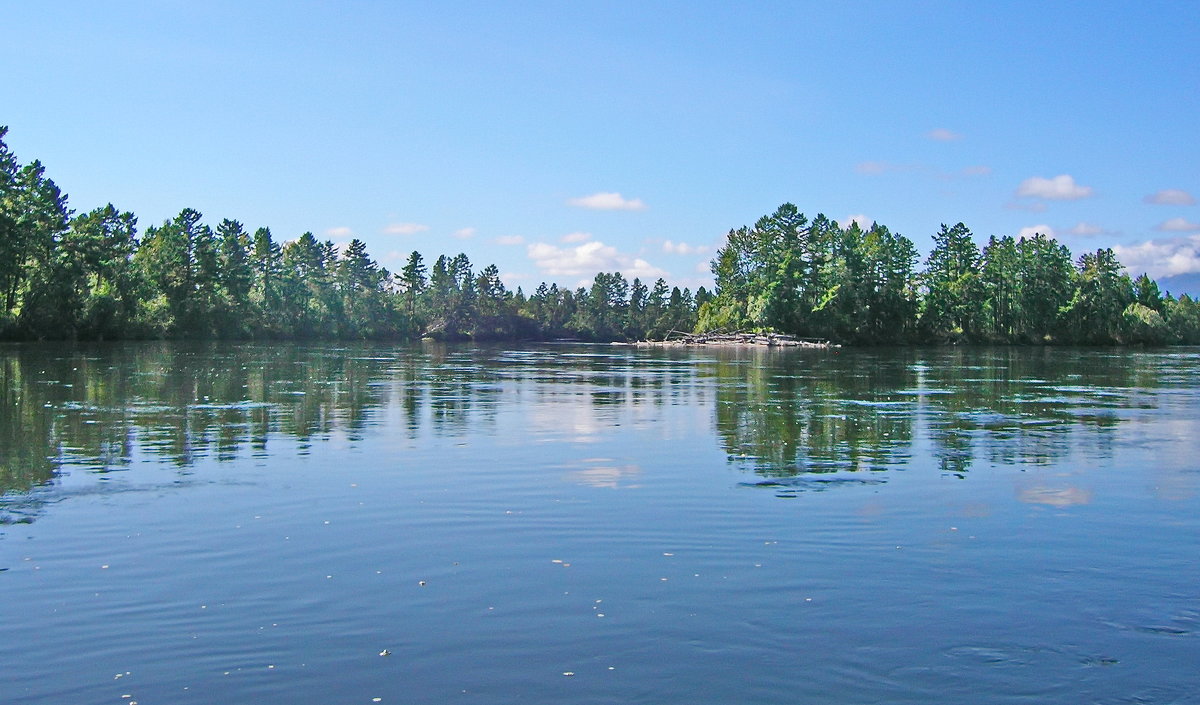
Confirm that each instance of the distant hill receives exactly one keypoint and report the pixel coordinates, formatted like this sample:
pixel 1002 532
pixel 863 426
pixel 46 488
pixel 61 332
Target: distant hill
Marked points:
pixel 1181 284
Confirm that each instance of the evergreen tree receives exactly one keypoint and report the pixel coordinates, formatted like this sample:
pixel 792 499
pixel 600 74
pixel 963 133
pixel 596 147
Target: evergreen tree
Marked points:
pixel 266 291
pixel 235 279
pixel 1047 285
pixel 952 288
pixel 412 284
pixel 1095 313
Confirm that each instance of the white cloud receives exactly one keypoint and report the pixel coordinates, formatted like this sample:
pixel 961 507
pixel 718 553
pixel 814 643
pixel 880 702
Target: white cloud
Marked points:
pixel 682 248
pixel 608 202
pixel 464 233
pixel 1161 258
pixel 575 237
pixel 340 231
pixel 1086 229
pixel 863 221
pixel 977 170
pixel 589 259
pixel 1032 230
pixel 510 240
pixel 405 229
pixel 1059 188
pixel 941 134
pixel 1171 197
pixel 1178 225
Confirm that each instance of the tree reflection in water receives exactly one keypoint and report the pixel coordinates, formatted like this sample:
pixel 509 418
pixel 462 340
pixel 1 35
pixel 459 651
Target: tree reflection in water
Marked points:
pixel 792 417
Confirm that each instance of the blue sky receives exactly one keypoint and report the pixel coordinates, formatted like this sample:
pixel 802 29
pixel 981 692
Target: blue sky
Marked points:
pixel 558 139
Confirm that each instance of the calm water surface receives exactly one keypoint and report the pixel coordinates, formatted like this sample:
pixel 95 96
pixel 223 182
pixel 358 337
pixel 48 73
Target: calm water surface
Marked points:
pixel 562 524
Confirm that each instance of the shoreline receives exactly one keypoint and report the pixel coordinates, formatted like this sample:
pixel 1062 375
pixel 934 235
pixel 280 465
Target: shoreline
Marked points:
pixel 767 340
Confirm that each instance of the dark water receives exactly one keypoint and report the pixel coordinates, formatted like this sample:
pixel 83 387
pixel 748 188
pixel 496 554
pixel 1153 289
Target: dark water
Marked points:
pixel 257 524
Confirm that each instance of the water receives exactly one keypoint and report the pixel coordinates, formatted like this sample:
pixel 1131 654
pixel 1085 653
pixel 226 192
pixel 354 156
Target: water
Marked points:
pixel 321 524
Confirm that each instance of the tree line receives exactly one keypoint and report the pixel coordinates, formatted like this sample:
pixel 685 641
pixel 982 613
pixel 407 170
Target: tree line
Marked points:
pixel 816 278
pixel 91 276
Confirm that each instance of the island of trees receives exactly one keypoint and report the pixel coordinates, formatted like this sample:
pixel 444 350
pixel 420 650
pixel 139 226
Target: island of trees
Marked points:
pixel 92 276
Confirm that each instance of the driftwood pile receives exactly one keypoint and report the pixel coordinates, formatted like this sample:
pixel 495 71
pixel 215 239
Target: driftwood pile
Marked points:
pixel 771 340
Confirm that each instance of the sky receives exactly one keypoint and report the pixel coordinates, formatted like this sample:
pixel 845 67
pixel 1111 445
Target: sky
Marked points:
pixel 560 139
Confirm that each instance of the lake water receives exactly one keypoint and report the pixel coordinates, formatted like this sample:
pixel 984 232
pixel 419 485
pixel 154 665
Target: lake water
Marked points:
pixel 597 524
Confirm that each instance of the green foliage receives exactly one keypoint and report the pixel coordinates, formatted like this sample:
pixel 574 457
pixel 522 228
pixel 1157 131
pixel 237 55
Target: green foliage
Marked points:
pixel 1143 325
pixel 954 290
pixel 1183 320
pixel 1095 314
pixel 89 277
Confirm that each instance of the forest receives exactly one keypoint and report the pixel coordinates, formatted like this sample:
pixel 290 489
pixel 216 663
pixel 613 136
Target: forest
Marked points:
pixel 94 276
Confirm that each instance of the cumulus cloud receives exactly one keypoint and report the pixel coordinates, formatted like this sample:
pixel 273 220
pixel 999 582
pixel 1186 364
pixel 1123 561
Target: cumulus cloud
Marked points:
pixel 608 201
pixel 1162 258
pixel 1178 225
pixel 575 237
pixel 588 259
pixel 941 134
pixel 340 231
pixel 682 248
pixel 464 233
pixel 405 229
pixel 510 240
pixel 1086 229
pixel 1032 230
pixel 1059 188
pixel 1171 197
